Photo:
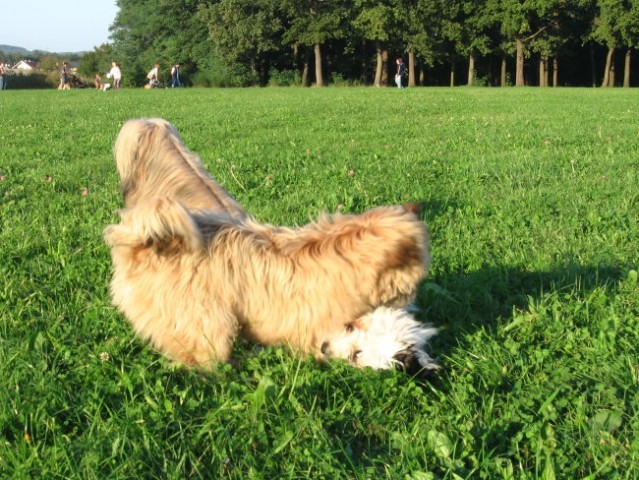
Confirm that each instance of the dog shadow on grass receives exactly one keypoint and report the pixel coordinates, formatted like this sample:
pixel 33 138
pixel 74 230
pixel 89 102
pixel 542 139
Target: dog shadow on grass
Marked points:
pixel 459 304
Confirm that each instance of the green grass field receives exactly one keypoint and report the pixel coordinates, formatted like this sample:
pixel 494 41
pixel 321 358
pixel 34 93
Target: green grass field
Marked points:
pixel 531 200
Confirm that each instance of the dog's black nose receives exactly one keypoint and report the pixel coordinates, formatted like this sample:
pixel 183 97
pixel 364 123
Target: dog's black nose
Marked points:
pixel 324 348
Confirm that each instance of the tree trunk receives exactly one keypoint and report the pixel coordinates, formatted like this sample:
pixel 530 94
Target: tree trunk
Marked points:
pixel 303 58
pixel 305 73
pixel 626 69
pixel 543 71
pixel 519 75
pixel 608 68
pixel 379 67
pixel 364 64
pixel 490 79
pixel 384 80
pixel 264 69
pixel 411 69
pixel 613 70
pixel 319 78
pixel 555 72
pixel 502 80
pixel 593 66
pixel 452 74
pixel 471 70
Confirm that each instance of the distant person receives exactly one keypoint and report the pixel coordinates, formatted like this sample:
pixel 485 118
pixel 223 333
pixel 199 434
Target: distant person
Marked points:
pixel 2 84
pixel 175 76
pixel 64 77
pixel 401 72
pixel 153 77
pixel 115 74
pixel 97 81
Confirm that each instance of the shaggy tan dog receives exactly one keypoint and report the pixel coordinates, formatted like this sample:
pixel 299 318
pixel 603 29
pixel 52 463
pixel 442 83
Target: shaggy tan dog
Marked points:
pixel 192 270
pixel 191 282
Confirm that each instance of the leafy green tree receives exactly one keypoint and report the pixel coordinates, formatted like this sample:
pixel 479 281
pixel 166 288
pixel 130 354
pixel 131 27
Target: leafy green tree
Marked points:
pixel 420 30
pixel 410 26
pixel 50 63
pixel 630 35
pixel 134 32
pixel 523 21
pixel 469 27
pixel 146 32
pixel 373 21
pixel 520 23
pixel 312 23
pixel 96 61
pixel 616 25
pixel 564 26
pixel 10 58
pixel 239 42
pixel 247 32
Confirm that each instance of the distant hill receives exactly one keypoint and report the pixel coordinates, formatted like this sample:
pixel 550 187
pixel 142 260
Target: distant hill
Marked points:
pixel 12 49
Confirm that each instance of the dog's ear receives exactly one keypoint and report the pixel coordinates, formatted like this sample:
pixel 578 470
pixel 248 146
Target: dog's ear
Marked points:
pixel 406 361
pixel 161 223
pixel 403 268
pixel 416 208
pixel 415 363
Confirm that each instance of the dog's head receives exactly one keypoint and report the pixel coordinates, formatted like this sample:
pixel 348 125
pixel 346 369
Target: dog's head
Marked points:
pixel 383 339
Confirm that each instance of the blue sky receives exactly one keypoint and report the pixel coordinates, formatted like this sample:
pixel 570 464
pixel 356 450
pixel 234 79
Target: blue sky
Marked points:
pixel 56 26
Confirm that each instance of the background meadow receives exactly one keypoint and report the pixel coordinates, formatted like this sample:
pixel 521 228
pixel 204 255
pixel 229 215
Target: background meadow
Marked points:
pixel 531 200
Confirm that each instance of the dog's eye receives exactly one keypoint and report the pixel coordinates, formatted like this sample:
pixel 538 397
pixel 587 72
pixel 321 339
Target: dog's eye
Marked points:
pixel 354 356
pixel 349 327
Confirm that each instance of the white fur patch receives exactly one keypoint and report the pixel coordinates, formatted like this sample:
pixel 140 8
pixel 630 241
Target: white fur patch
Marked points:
pixel 381 339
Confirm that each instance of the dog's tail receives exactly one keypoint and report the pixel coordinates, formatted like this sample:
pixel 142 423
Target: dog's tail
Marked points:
pixel 152 160
pixel 161 223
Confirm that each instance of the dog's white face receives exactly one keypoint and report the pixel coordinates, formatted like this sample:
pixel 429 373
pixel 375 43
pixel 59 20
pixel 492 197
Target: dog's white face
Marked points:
pixel 385 338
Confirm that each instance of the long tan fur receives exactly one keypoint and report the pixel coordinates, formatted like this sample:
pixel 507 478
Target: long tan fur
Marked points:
pixel 192 270
pixel 190 282
pixel 152 160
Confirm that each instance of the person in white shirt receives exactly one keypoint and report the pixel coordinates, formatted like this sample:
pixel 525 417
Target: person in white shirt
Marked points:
pixel 115 74
pixel 154 82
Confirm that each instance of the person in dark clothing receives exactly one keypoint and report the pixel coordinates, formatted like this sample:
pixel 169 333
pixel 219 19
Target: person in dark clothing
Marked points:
pixel 64 77
pixel 401 72
pixel 175 76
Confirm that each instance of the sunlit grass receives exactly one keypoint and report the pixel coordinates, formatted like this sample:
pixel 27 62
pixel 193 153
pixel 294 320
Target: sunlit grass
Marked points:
pixel 531 200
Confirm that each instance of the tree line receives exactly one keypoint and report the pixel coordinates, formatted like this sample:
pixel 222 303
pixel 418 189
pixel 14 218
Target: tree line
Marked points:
pixel 444 42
